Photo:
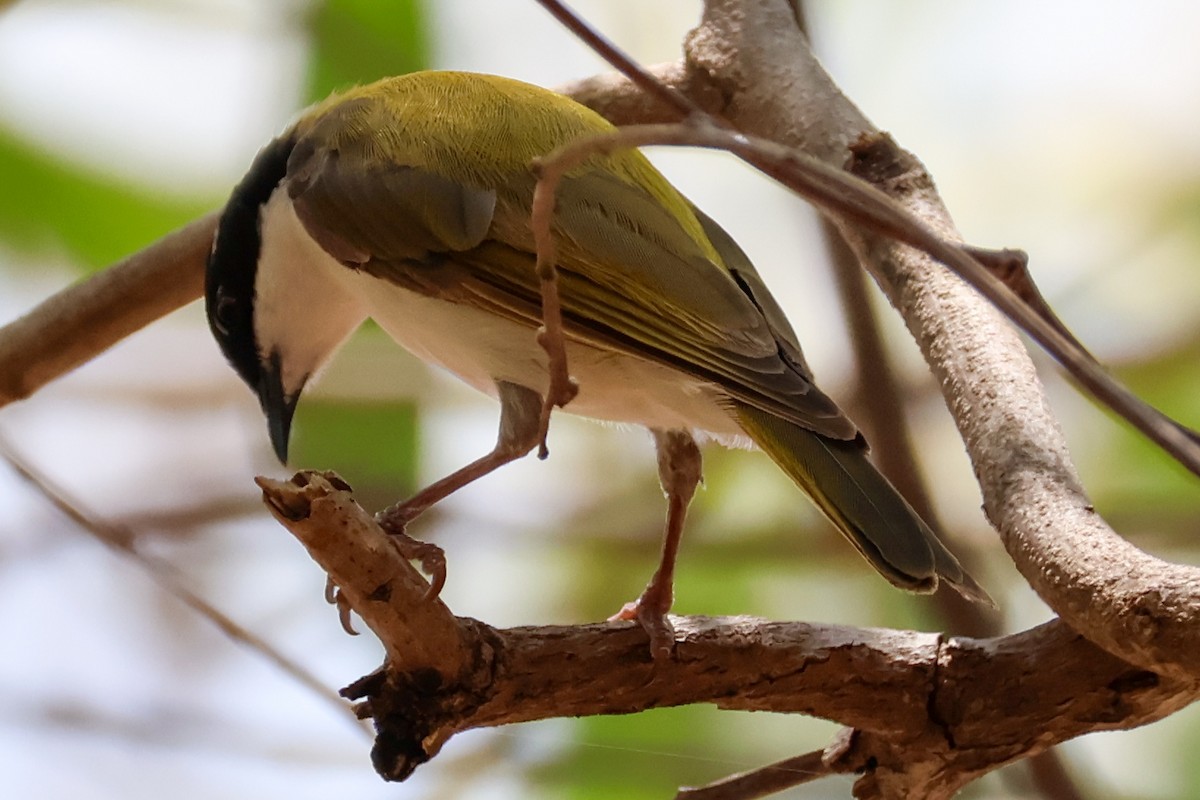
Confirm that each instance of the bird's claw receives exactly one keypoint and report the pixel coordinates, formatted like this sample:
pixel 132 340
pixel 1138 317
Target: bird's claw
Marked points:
pixel 334 596
pixel 431 557
pixel 650 611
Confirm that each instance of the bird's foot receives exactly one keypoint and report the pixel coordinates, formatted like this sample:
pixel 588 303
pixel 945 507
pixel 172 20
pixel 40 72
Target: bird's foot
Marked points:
pixel 431 557
pixel 650 611
pixel 334 596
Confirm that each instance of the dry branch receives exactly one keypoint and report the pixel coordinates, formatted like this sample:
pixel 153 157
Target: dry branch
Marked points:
pixel 75 325
pixel 751 55
pixel 931 713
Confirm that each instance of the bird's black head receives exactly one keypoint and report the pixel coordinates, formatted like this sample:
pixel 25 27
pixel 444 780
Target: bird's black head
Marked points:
pixel 229 293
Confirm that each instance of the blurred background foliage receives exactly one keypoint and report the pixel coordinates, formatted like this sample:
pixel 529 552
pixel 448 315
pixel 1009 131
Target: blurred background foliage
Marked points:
pixel 121 120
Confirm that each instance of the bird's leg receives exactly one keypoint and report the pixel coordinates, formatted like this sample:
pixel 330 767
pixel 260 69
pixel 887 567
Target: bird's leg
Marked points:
pixel 679 471
pixel 520 410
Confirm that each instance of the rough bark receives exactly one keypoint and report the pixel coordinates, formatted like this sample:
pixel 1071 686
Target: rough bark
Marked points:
pixel 749 63
pixel 929 713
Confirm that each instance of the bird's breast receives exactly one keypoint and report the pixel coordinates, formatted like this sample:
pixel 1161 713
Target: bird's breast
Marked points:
pixel 482 348
pixel 477 346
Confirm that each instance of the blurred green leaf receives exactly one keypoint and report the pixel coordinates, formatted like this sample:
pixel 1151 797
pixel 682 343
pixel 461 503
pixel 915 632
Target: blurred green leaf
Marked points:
pixel 47 204
pixel 653 753
pixel 1147 482
pixel 1185 746
pixel 644 756
pixel 1169 381
pixel 373 445
pixel 356 41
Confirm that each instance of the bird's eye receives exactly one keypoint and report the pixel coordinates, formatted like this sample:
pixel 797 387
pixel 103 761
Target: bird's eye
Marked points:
pixel 223 314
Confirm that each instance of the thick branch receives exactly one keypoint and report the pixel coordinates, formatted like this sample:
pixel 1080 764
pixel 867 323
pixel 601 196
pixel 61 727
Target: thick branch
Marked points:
pixel 886 427
pixel 1134 605
pixel 927 709
pixel 1138 607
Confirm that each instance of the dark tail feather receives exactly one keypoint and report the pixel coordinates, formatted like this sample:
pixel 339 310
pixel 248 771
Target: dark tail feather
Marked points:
pixel 862 504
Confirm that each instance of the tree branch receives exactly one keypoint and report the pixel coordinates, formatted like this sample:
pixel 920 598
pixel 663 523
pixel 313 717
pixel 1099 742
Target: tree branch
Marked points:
pixel 770 779
pixel 931 713
pixel 122 540
pixel 885 425
pixel 924 709
pixel 75 325
pixel 1140 608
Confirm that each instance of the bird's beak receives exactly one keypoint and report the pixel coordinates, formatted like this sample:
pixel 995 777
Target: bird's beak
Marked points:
pixel 277 404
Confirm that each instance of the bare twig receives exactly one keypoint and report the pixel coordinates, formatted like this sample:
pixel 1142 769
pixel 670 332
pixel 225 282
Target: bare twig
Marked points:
pixel 369 570
pixel 551 337
pixel 639 75
pixel 1011 267
pixel 835 192
pixel 122 540
pixel 766 780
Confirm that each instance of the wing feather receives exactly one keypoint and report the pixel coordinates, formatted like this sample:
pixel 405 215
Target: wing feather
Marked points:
pixel 634 279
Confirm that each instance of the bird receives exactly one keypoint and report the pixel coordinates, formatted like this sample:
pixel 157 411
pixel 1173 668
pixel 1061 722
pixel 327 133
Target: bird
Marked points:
pixel 408 201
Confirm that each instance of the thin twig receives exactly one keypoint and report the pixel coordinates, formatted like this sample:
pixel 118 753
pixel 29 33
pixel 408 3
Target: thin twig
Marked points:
pixel 121 539
pixel 551 337
pixel 621 60
pixel 370 572
pixel 836 192
pixel 1011 267
pixel 764 781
